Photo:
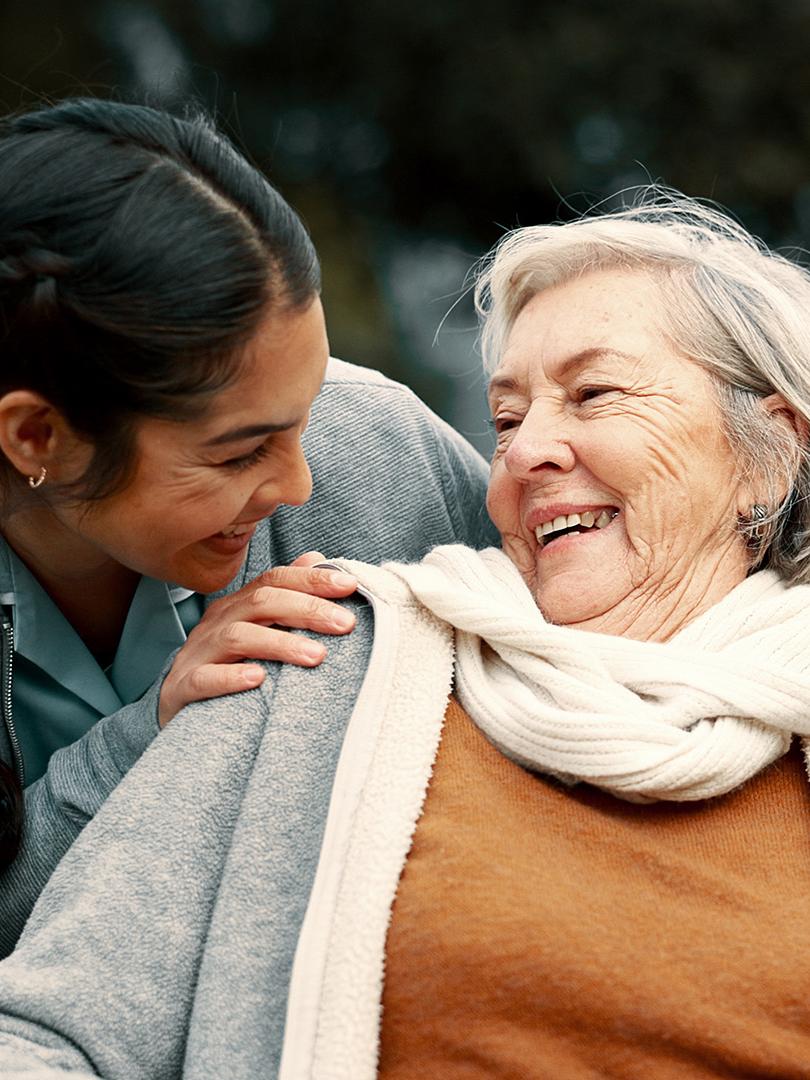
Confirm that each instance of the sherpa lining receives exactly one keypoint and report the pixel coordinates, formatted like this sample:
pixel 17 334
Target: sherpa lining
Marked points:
pixel 333 1012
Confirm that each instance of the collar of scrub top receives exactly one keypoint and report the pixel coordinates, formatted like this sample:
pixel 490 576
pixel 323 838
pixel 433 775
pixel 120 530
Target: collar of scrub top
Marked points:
pixel 43 635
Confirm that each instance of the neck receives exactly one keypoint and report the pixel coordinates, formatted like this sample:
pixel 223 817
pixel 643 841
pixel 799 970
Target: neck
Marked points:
pixel 92 590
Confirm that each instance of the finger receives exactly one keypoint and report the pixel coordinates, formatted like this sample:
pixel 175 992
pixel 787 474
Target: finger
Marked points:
pixel 309 558
pixel 246 639
pixel 297 611
pixel 300 609
pixel 315 581
pixel 207 681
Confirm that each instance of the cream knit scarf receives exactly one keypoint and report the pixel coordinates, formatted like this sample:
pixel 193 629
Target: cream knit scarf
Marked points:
pixel 688 719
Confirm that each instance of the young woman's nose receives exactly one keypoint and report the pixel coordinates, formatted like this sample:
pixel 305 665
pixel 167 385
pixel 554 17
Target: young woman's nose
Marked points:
pixel 292 489
pixel 541 444
pixel 297 486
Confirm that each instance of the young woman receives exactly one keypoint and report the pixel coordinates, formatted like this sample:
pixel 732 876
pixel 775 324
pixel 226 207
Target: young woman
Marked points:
pixel 162 342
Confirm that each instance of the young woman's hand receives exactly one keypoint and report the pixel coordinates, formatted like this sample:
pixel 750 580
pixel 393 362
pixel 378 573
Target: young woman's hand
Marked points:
pixel 245 624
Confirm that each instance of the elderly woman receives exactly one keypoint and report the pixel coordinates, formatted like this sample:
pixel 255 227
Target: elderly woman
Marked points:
pixel 540 815
pixel 162 343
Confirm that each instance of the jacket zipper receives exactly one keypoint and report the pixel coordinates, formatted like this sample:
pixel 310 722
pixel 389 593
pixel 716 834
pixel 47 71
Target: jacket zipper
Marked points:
pixel 7 668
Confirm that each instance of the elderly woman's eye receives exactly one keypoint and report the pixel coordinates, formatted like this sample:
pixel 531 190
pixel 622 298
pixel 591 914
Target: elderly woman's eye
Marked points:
pixel 588 393
pixel 503 424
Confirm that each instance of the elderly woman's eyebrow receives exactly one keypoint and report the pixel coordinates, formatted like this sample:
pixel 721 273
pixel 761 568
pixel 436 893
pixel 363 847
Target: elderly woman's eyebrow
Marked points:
pixel 565 367
pixel 501 382
pixel 588 356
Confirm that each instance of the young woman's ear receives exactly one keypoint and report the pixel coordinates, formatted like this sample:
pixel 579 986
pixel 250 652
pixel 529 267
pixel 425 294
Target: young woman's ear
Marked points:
pixel 35 436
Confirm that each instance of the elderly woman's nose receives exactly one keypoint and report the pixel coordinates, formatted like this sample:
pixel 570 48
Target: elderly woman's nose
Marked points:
pixel 539 445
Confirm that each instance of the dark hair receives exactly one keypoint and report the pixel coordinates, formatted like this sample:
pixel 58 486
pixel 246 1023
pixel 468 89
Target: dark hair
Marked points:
pixel 138 252
pixel 11 816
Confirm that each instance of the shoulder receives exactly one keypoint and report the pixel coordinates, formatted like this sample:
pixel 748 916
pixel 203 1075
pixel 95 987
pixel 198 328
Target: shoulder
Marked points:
pixel 361 413
pixel 348 382
pixel 339 372
pixel 364 387
pixel 201 764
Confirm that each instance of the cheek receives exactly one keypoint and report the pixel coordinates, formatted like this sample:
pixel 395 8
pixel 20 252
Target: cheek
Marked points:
pixel 503 496
pixel 177 516
pixel 641 462
pixel 677 490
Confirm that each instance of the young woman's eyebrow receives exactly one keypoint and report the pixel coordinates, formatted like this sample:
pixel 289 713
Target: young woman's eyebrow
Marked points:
pixel 249 431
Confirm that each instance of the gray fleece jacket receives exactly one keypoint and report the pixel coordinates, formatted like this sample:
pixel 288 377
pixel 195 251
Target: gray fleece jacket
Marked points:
pixel 390 480
pixel 225 913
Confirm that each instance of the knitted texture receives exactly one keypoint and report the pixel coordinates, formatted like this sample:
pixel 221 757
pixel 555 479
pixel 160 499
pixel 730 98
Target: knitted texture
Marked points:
pixel 687 719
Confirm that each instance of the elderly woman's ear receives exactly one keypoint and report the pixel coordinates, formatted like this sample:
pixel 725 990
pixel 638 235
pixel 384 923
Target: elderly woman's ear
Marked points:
pixel 784 413
pixel 792 431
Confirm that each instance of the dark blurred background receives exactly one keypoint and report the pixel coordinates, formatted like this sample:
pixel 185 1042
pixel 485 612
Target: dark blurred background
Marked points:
pixel 410 136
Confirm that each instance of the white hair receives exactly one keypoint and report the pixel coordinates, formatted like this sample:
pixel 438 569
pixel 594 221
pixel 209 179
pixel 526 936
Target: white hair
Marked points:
pixel 738 309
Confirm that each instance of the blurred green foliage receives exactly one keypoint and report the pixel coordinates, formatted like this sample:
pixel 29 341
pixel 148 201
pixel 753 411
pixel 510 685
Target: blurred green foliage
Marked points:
pixel 407 131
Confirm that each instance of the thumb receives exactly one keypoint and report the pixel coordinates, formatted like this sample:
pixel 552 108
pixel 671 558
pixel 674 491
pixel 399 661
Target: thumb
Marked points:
pixel 309 558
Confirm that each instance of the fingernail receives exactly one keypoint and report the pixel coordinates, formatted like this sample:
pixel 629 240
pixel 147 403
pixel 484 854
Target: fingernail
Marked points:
pixel 252 675
pixel 343 581
pixel 313 652
pixel 342 620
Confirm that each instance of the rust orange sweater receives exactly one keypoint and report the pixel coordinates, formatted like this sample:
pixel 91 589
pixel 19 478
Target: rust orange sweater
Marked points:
pixel 541 931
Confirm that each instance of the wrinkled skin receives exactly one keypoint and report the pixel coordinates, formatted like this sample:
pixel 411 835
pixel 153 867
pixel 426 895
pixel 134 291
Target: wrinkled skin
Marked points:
pixel 595 409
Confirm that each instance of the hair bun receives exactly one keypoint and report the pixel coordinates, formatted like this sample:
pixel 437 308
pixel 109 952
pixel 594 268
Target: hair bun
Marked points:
pixel 34 268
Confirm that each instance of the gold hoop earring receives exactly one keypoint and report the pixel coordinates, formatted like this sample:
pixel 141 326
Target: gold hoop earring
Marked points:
pixel 40 480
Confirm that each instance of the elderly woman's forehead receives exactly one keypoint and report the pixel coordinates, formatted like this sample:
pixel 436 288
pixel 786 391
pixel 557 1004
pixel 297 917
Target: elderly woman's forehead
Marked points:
pixel 513 371
pixel 589 305
pixel 586 319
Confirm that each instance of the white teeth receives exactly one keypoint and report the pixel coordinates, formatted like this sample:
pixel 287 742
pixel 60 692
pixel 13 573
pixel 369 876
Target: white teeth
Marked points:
pixel 588 519
pixel 562 522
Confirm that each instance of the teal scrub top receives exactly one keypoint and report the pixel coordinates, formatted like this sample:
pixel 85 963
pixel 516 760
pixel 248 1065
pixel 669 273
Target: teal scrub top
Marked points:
pixel 59 690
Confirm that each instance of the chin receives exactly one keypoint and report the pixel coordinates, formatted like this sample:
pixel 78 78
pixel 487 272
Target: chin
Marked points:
pixel 564 597
pixel 569 605
pixel 206 579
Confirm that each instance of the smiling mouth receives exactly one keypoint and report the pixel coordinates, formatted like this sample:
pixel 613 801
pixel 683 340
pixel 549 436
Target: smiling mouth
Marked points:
pixel 236 530
pixel 574 524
